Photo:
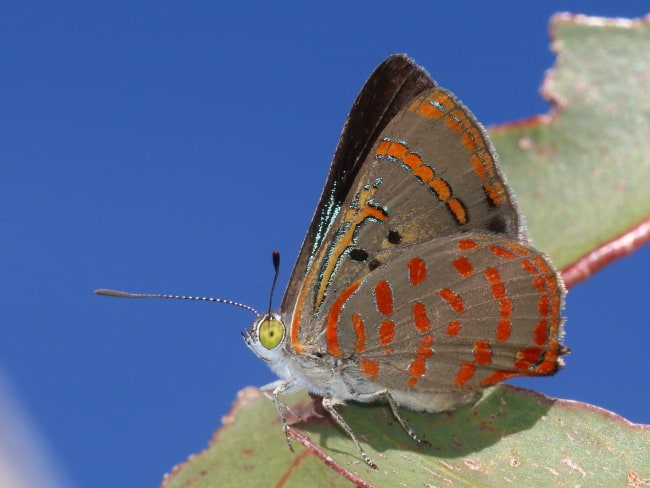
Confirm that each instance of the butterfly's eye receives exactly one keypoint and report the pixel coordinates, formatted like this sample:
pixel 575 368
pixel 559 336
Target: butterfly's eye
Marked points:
pixel 271 333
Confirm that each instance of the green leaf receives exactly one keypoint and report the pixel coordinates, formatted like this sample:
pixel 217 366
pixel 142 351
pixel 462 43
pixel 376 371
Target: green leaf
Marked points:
pixel 581 177
pixel 250 450
pixel 509 437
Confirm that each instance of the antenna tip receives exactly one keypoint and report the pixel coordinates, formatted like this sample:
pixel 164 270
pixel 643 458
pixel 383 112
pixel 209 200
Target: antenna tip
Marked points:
pixel 111 293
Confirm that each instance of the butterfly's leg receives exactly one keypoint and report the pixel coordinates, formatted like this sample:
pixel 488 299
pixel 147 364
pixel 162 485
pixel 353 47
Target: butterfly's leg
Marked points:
pixel 329 406
pixel 385 395
pixel 272 391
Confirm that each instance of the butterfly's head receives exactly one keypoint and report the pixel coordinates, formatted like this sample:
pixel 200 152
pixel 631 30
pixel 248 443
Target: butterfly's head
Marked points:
pixel 266 336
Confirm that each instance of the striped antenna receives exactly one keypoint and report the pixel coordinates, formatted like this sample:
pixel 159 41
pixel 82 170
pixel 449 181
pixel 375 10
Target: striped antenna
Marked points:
pixel 124 294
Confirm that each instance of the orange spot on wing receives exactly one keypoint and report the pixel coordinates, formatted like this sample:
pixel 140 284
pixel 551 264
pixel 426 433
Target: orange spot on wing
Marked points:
pixel 528 266
pixel 454 301
pixel 526 358
pixel 424 347
pixel 543 305
pixel 552 285
pixel 386 332
pixel 521 250
pixel 417 271
pixel 441 188
pixel 541 332
pixel 429 111
pixel 472 140
pixel 505 307
pixel 540 284
pixel 454 121
pixel 463 266
pixel 541 265
pixel 369 368
pixel 495 193
pixel 458 209
pixel 467 244
pixel 376 213
pixel 382 150
pixel 418 367
pixel 384 298
pixel 436 105
pixel 482 352
pixel 505 326
pixel 498 289
pixel 397 150
pixel 482 164
pixel 549 365
pixel 422 322
pixel 465 373
pixel 502 252
pixel 453 328
pixel 413 161
pixel 424 173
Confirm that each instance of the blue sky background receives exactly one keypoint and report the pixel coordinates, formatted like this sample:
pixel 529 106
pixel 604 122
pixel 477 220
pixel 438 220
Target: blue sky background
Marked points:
pixel 153 147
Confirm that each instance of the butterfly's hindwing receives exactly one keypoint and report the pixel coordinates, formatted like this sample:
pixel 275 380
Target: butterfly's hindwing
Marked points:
pixel 458 313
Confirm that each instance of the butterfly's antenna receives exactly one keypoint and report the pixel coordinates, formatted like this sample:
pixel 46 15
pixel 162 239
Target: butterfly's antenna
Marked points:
pixel 276 267
pixel 124 294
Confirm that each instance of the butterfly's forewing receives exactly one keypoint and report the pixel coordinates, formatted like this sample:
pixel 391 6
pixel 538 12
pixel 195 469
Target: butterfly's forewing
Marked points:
pixel 430 173
pixel 394 83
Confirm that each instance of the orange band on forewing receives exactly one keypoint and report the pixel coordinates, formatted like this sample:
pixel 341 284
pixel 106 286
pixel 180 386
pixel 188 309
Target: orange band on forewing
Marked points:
pixel 398 151
pixel 458 210
pixel 441 188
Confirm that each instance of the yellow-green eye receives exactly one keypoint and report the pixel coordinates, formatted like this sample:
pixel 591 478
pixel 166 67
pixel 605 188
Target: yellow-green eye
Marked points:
pixel 271 333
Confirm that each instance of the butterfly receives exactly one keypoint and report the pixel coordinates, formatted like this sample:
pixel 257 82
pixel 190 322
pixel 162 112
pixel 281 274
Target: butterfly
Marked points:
pixel 416 284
